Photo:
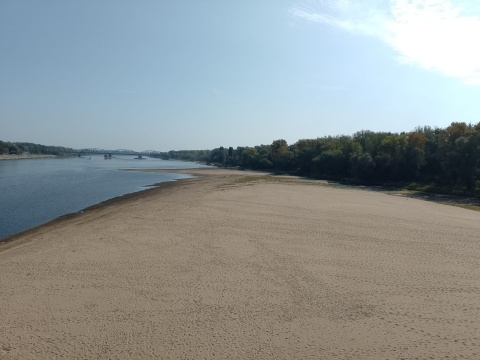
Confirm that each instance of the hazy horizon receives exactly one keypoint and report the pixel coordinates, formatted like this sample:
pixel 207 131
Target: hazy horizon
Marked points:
pixel 157 75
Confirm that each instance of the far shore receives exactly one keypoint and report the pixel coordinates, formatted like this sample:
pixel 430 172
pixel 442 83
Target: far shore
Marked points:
pixel 245 265
pixel 22 156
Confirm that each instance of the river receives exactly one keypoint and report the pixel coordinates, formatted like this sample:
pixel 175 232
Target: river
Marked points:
pixel 34 191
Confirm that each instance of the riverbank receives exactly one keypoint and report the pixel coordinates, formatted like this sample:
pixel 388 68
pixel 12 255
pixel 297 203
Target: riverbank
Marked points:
pixel 19 157
pixel 235 265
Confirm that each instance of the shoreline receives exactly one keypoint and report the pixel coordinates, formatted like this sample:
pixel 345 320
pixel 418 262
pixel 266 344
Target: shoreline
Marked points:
pixel 151 190
pixel 106 203
pixel 23 157
pixel 472 204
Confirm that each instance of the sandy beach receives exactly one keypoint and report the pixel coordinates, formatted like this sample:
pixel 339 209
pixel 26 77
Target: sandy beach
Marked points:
pixel 239 265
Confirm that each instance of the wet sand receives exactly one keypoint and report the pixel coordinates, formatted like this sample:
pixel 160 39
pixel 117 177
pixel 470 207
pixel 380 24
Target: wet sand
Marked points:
pixel 233 265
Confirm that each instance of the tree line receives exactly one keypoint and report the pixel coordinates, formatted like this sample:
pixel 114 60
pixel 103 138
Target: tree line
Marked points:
pixel 447 157
pixel 18 148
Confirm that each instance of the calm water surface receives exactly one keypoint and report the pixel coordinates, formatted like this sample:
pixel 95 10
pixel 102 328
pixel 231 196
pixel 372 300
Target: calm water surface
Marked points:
pixel 38 190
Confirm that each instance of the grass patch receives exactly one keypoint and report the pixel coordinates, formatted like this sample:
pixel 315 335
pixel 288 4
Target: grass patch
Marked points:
pixel 252 179
pixel 464 206
pixel 444 190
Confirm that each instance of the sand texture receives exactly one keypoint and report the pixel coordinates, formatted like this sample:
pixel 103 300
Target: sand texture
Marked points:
pixel 227 267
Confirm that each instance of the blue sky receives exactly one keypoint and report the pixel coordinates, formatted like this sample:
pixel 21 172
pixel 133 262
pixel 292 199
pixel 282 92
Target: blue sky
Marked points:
pixel 188 74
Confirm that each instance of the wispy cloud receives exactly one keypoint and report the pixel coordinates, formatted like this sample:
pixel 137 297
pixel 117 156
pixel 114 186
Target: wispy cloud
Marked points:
pixel 440 35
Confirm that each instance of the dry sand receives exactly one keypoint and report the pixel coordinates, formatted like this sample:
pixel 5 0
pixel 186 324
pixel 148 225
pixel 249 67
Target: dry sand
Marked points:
pixel 225 267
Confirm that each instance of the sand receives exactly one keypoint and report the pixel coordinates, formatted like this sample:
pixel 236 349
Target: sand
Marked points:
pixel 230 267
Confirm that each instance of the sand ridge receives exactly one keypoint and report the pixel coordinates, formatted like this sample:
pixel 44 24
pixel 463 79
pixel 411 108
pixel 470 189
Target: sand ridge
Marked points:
pixel 219 267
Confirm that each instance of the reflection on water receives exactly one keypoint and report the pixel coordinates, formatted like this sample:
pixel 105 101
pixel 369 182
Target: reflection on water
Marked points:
pixel 38 190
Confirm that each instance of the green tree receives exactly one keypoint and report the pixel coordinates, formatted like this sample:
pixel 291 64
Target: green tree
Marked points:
pixel 329 163
pixel 13 149
pixel 463 162
pixel 304 154
pixel 415 154
pixel 363 166
pixel 249 158
pixel 286 161
pixel 3 147
pixel 278 148
pixel 390 160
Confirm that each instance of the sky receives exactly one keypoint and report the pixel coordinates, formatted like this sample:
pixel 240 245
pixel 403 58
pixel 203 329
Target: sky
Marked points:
pixel 187 74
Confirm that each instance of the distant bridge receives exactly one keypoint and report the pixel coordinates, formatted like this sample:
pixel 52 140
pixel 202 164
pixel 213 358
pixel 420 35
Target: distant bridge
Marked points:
pixel 117 152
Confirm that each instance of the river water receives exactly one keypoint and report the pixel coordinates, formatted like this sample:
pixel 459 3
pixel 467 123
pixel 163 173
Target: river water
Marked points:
pixel 34 191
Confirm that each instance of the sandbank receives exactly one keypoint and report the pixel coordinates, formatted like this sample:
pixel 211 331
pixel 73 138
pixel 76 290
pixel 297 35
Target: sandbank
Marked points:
pixel 235 265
